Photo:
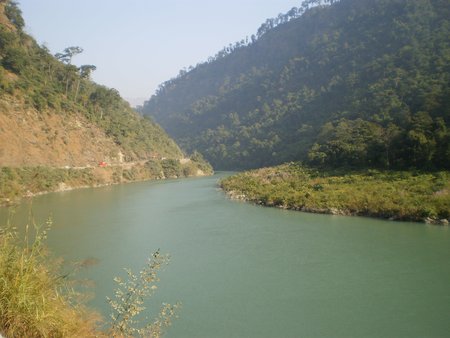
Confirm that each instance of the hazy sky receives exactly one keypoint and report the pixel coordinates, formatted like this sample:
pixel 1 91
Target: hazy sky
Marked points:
pixel 138 44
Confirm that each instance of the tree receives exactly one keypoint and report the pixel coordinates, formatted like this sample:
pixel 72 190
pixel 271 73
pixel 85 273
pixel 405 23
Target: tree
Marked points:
pixel 85 73
pixel 66 57
pixel 363 68
pixel 70 52
pixel 62 57
pixel 14 59
pixel 14 14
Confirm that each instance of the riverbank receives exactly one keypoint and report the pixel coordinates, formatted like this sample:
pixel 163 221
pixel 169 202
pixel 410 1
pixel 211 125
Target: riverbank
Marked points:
pixel 17 183
pixel 394 195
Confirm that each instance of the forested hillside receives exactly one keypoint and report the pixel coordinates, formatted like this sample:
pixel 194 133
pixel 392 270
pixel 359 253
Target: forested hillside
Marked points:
pixel 361 83
pixel 52 114
pixel 59 130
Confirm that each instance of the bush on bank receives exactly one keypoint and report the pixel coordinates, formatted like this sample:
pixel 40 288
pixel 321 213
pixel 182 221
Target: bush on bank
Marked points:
pixel 400 195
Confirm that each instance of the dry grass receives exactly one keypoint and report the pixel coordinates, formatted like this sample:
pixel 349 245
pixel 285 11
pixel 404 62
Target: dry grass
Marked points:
pixel 35 299
pixel 38 300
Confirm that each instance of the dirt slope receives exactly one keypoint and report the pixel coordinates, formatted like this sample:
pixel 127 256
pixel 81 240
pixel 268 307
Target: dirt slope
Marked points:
pixel 31 138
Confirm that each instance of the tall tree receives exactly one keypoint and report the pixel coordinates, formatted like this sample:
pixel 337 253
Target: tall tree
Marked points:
pixel 66 57
pixel 85 73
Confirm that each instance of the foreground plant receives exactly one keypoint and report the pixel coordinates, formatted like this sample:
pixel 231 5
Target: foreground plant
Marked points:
pixel 129 301
pixel 36 300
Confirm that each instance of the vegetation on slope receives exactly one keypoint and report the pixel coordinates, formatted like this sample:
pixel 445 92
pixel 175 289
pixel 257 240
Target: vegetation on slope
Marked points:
pixel 28 181
pixel 396 195
pixel 33 79
pixel 351 82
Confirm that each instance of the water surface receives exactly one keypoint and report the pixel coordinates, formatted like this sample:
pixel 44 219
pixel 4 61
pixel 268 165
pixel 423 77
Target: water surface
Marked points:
pixel 246 271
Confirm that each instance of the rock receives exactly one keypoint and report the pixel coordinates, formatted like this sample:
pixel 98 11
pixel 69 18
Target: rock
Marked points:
pixel 430 220
pixel 184 160
pixel 336 211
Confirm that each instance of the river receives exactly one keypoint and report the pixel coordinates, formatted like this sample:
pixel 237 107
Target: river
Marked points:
pixel 242 270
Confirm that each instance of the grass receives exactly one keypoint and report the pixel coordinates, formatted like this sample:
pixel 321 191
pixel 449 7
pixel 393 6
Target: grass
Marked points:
pixel 399 195
pixel 35 300
pixel 38 300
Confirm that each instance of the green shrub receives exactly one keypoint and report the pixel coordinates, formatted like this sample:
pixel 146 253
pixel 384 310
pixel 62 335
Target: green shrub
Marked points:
pixel 386 194
pixel 171 168
pixel 129 298
pixel 154 168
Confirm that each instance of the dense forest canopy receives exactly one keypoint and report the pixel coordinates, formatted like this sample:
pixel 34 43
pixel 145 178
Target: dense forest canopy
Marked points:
pixel 361 83
pixel 52 84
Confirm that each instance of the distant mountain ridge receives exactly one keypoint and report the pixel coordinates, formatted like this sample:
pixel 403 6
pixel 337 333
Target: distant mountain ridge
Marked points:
pixel 362 83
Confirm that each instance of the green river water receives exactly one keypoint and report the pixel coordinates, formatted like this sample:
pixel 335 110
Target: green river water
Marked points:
pixel 241 270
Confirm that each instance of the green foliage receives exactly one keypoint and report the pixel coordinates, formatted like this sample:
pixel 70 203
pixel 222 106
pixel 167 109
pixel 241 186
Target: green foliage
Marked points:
pixel 18 182
pixel 14 14
pixel 52 84
pixel 171 168
pixel 188 167
pixel 355 143
pixel 14 59
pixel 155 169
pixel 27 181
pixel 388 194
pixel 359 83
pixel 200 163
pixel 129 301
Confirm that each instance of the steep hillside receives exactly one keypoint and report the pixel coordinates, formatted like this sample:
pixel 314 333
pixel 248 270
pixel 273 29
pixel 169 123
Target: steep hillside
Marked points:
pixel 52 115
pixel 28 138
pixel 362 83
pixel 50 107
